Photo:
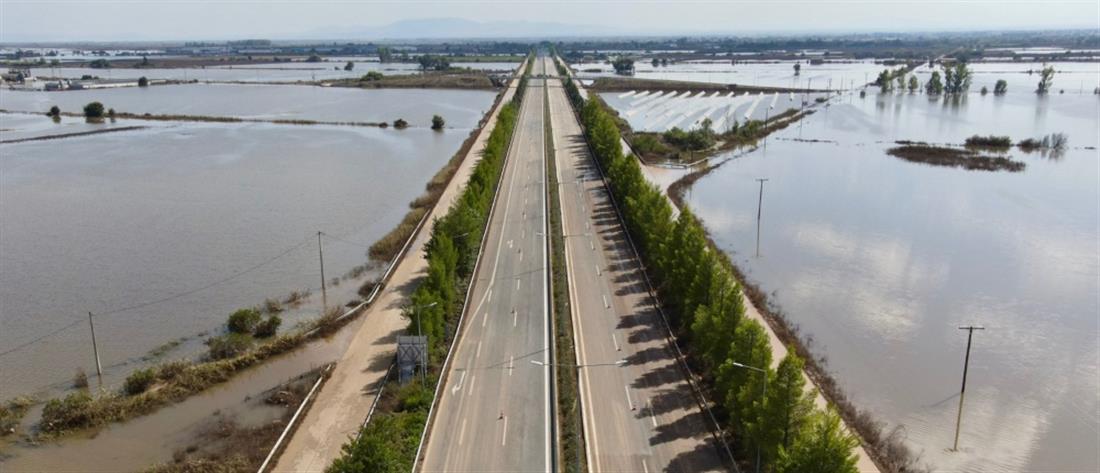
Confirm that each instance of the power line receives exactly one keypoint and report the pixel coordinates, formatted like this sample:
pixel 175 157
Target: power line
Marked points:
pixel 334 237
pixel 157 301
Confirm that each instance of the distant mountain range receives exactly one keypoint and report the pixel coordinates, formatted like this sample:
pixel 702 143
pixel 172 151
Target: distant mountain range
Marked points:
pixel 451 28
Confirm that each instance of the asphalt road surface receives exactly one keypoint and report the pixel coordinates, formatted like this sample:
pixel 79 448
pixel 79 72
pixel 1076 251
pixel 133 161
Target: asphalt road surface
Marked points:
pixel 495 411
pixel 640 414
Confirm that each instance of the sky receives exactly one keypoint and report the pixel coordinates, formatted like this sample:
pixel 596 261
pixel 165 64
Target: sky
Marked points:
pixel 173 20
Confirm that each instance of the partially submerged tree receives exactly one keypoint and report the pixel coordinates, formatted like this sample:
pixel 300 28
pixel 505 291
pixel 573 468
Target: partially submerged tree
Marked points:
pixel 349 66
pixel 623 65
pixel 913 84
pixel 956 79
pixel 1046 80
pixel 797 68
pixel 143 82
pixel 94 110
pixel 438 122
pixel 934 85
pixel 1001 87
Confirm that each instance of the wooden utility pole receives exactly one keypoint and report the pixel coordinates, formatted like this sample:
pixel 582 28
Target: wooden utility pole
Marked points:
pixel 321 257
pixel 966 366
pixel 95 348
pixel 759 208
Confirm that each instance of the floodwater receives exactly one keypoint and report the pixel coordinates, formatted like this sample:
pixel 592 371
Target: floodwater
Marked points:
pixel 881 260
pixel 841 75
pixel 271 72
pixel 22 126
pixel 460 108
pixel 162 232
pixel 659 111
pixel 152 439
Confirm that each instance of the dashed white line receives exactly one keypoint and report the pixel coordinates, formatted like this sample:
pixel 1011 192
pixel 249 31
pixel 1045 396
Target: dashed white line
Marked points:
pixel 490 297
pixel 504 432
pixel 517 284
pixel 652 417
pixel 515 317
pixel 511 364
pixel 470 390
pixel 629 401
pixel 598 272
pixel 605 304
pixel 478 354
pixel 645 467
pixel 462 432
pixel 616 342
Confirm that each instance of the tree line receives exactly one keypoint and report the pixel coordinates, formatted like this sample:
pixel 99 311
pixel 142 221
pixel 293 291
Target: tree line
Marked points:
pixel 706 309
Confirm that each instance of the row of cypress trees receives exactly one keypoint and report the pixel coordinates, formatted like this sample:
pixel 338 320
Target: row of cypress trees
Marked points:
pixel 706 309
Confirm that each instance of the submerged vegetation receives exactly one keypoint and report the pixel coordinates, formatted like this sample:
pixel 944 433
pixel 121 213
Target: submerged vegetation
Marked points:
pixel 954 157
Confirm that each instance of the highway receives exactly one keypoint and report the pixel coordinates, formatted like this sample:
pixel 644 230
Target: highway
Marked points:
pixel 495 412
pixel 641 415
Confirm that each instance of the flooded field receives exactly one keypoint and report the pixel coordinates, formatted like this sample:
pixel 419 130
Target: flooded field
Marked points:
pixel 461 108
pixel 758 73
pixel 273 72
pixel 659 111
pixel 162 232
pixel 879 261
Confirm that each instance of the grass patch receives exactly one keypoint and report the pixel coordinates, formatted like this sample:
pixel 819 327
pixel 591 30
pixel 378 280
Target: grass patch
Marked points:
pixel 990 141
pixel 12 412
pixel 430 80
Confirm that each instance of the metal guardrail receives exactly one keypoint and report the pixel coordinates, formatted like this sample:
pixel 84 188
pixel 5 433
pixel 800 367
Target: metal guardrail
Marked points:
pixel 290 425
pixel 466 300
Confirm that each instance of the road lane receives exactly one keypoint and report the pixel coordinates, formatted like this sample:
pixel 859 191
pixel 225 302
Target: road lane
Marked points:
pixel 495 412
pixel 640 416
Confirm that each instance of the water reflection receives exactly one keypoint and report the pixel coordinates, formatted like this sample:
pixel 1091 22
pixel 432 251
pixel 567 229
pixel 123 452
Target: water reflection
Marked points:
pixel 879 260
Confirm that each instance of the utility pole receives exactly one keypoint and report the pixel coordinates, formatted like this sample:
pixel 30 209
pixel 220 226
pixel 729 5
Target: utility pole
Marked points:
pixel 966 365
pixel 759 208
pixel 321 256
pixel 95 348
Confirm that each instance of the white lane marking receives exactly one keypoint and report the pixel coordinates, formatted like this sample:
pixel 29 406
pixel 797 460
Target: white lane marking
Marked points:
pixel 629 401
pixel 652 417
pixel 509 243
pixel 504 432
pixel 616 342
pixel 645 467
pixel 591 246
pixel 458 386
pixel 598 272
pixel 515 317
pixel 517 284
pixel 485 318
pixel 462 433
pixel 478 354
pixel 605 304
pixel 470 390
pixel 511 364
pixel 490 299
pixel 523 234
pixel 521 254
pixel 586 225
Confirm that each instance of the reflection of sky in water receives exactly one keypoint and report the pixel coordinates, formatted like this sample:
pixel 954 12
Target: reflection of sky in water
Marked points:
pixel 461 108
pixel 110 220
pixel 880 260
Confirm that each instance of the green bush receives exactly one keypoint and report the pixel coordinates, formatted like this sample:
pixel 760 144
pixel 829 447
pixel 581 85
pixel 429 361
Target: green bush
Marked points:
pixel 228 345
pixel 414 397
pixel 94 110
pixel 438 122
pixel 243 320
pixel 268 327
pixel 143 82
pixel 989 141
pixel 648 144
pixel 55 111
pixel 74 410
pixel 139 381
pixel 371 76
pixel 400 123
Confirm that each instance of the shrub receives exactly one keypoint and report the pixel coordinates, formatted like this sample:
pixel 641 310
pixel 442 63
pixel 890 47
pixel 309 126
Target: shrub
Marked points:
pixel 648 144
pixel 228 345
pixel 93 110
pixel 111 112
pixel 243 320
pixel 272 306
pixel 12 412
pixel 80 380
pixel 372 76
pixel 1000 87
pixel 414 397
pixel 268 327
pixel 437 122
pixel 400 123
pixel 143 82
pixel 989 141
pixel 55 111
pixel 139 381
pixel 74 410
